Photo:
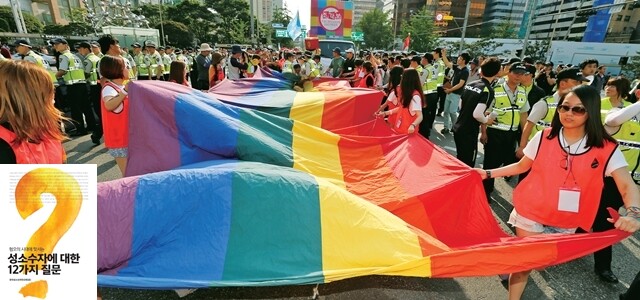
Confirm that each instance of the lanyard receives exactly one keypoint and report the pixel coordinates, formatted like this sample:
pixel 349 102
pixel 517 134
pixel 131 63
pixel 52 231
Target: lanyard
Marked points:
pixel 515 94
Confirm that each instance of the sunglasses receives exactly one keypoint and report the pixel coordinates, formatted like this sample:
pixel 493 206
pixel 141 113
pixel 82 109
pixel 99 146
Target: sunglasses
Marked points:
pixel 577 110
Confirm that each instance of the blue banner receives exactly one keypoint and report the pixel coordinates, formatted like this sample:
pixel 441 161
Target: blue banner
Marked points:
pixel 597 24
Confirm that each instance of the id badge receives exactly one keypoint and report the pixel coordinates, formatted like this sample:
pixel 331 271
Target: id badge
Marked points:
pixel 569 199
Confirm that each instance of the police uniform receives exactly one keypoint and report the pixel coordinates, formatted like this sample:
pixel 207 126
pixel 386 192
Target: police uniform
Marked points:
pixel 467 128
pixel 91 73
pixel 76 91
pixel 430 90
pixel 502 135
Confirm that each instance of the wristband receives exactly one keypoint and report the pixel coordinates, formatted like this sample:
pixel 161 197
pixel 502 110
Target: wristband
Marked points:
pixel 633 211
pixel 488 173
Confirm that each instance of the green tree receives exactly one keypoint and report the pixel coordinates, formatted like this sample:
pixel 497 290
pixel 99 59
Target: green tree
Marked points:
pixel 538 49
pixel 633 65
pixel 74 28
pixel 77 15
pixel 281 16
pixel 376 28
pixel 152 13
pixel 234 19
pixel 503 30
pixel 8 25
pixel 422 29
pixel 178 34
pixel 202 22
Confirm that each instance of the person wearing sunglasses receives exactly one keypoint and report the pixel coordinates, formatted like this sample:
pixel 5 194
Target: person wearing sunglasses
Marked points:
pixel 543 111
pixel 567 160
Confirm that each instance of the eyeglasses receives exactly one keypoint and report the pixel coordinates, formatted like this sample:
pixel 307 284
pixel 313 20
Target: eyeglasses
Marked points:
pixel 564 162
pixel 577 110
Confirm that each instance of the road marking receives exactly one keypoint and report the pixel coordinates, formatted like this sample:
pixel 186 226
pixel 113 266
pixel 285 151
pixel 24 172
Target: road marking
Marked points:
pixel 449 148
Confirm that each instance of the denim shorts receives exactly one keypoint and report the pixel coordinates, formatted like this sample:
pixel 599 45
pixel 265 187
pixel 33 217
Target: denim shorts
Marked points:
pixel 118 152
pixel 517 220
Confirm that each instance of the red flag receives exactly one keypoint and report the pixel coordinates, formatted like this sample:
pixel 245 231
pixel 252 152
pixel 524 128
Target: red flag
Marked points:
pixel 407 41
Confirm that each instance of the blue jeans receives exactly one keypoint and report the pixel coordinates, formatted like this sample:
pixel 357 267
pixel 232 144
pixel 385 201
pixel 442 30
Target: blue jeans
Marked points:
pixel 450 110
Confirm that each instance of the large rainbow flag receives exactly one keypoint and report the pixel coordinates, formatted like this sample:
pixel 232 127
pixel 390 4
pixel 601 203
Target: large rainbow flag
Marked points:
pixel 223 195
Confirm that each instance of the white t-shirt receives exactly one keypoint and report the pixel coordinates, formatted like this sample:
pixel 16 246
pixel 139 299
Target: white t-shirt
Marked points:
pixel 416 102
pixel 617 159
pixel 108 91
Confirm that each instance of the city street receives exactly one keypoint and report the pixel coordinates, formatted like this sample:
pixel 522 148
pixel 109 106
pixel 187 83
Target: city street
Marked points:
pixel 573 280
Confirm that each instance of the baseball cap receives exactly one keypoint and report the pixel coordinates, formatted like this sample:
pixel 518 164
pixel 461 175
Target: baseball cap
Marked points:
pixel 416 58
pixel 528 60
pixel 85 45
pixel 161 48
pixel 571 73
pixel 59 41
pixel 510 61
pixel 136 45
pixel 519 68
pixel 336 50
pixel 151 44
pixel 22 43
pixel 474 61
pixel 95 44
pixel 350 50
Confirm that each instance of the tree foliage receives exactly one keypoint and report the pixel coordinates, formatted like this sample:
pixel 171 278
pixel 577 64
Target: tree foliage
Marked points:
pixel 8 25
pixel 376 28
pixel 234 20
pixel 633 65
pixel 538 49
pixel 422 29
pixel 503 30
pixel 281 16
pixel 483 46
pixel 178 34
pixel 74 28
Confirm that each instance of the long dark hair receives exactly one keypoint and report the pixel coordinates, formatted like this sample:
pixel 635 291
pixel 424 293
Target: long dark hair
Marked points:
pixel 395 76
pixel 409 84
pixel 178 72
pixel 590 98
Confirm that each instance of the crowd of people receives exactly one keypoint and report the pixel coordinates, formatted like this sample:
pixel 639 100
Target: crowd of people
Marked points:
pixel 576 153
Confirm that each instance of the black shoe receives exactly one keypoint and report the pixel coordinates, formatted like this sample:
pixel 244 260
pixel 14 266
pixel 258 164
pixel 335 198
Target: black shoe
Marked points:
pixel 607 276
pixel 95 140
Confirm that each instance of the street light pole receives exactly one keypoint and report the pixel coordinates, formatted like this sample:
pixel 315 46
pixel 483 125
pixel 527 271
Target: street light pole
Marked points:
pixel 251 15
pixel 162 25
pixel 464 26
pixel 395 25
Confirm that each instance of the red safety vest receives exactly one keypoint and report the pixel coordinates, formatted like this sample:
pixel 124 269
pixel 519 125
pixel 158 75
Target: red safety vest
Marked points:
pixel 405 119
pixel 391 119
pixel 47 152
pixel 115 125
pixel 536 197
pixel 363 81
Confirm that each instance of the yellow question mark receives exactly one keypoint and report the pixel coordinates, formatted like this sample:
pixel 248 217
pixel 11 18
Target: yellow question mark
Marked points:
pixel 68 196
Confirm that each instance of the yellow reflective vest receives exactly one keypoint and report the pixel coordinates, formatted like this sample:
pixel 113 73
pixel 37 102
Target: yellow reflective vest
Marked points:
pixel 75 73
pixel 508 109
pixel 431 83
pixel 546 121
pixel 628 137
pixel 440 67
pixel 93 76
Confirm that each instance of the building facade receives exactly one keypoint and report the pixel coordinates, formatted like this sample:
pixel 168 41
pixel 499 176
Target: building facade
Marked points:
pixel 360 7
pixel 264 9
pixel 498 12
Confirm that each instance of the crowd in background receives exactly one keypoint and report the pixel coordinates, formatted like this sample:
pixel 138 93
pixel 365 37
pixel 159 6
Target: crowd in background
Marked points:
pixel 511 106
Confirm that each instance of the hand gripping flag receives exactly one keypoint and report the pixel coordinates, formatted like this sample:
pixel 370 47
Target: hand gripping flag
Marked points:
pixel 294 29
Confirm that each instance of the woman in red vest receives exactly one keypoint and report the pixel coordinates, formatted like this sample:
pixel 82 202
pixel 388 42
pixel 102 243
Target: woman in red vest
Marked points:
pixel 567 162
pixel 392 93
pixel 368 81
pixel 409 113
pixel 216 73
pixel 115 109
pixel 29 123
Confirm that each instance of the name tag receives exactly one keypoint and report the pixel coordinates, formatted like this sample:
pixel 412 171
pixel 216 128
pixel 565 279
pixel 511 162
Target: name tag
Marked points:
pixel 569 200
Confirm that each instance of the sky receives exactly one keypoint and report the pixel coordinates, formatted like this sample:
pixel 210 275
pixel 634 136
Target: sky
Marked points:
pixel 304 6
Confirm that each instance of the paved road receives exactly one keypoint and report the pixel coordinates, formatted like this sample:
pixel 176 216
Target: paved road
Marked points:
pixel 573 280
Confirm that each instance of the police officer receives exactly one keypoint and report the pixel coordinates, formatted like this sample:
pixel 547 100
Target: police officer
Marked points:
pixel 476 97
pixel 25 53
pixel 430 90
pixel 90 63
pixel 142 70
pixel 166 60
pixel 95 48
pixel 154 61
pixel 71 74
pixel 511 108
